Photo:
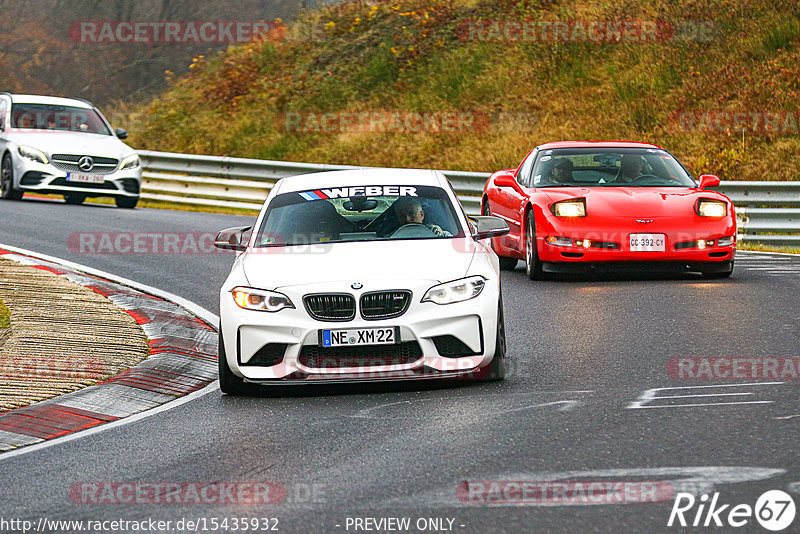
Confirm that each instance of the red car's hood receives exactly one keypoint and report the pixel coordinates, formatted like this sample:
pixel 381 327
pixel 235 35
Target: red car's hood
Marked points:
pixel 645 202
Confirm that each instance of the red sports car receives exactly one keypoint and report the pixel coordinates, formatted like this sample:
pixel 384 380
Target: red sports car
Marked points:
pixel 577 206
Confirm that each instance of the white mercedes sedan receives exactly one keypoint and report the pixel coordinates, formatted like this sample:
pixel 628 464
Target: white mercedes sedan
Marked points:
pixel 362 275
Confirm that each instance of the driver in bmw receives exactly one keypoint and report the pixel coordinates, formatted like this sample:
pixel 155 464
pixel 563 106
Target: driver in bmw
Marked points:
pixel 409 211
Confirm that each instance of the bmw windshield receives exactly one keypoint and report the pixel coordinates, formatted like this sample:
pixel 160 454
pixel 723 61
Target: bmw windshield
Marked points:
pixel 609 167
pixel 359 213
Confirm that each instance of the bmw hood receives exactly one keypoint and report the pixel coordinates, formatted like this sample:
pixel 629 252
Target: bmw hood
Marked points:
pixel 435 260
pixel 56 142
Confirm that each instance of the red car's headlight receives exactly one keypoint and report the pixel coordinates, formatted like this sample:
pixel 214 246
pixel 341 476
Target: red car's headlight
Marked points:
pixel 707 207
pixel 574 207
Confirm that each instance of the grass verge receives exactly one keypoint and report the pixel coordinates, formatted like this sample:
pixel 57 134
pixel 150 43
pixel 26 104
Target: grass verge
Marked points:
pixel 5 316
pixel 760 247
pixel 706 62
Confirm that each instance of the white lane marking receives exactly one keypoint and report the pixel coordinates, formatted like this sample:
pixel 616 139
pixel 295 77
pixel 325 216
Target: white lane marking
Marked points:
pixel 567 406
pixel 762 267
pixel 703 395
pixel 703 404
pixel 748 252
pixel 794 487
pixel 211 388
pixel 787 417
pixel 650 395
pixel 773 264
pixel 365 413
pixel 196 309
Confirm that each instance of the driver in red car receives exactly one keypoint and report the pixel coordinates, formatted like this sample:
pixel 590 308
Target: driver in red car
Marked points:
pixel 409 211
pixel 562 172
pixel 630 168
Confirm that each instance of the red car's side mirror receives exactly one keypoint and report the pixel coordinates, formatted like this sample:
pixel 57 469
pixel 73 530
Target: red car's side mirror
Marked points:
pixel 708 180
pixel 506 180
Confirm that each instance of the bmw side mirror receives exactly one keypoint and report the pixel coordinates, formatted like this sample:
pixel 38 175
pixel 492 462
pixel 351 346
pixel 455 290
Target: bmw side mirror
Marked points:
pixel 708 180
pixel 232 239
pixel 485 227
pixel 122 133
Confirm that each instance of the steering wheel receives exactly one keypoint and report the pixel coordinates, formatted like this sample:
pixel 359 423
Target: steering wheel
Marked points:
pixel 412 230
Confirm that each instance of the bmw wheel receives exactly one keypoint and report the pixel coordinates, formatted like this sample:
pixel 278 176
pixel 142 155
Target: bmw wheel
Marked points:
pixel 497 367
pixel 7 179
pixel 228 382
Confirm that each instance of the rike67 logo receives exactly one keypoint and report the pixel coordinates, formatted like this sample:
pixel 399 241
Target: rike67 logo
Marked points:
pixel 774 510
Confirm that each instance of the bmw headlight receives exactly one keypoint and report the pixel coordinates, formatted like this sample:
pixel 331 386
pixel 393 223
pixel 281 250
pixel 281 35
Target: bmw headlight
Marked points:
pixel 131 162
pixel 570 208
pixel 706 207
pixel 455 291
pixel 32 153
pixel 260 299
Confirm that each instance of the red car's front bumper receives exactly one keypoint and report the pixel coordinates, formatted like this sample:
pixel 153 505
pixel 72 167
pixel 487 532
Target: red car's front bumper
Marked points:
pixel 685 242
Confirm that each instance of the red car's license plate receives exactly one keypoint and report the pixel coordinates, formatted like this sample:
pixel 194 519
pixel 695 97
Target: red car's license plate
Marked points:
pixel 648 242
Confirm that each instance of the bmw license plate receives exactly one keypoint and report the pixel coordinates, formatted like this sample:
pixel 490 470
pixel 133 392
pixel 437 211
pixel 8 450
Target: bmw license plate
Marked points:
pixel 648 242
pixel 359 336
pixel 85 178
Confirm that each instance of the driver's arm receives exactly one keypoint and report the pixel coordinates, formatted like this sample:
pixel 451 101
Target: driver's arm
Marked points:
pixel 436 229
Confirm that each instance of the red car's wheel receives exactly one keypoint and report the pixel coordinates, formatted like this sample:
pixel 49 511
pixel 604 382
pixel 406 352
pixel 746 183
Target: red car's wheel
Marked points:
pixel 506 264
pixel 719 274
pixel 532 264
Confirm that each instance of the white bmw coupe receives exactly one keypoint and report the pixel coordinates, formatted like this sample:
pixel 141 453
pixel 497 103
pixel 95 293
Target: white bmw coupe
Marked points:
pixel 361 275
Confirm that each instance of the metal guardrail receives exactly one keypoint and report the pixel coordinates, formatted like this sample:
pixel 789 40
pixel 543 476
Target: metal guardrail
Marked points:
pixel 767 212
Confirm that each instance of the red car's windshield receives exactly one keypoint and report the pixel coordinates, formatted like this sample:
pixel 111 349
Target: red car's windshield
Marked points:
pixel 608 167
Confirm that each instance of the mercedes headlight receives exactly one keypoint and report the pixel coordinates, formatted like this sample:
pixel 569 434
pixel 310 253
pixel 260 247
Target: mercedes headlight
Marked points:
pixel 32 153
pixel 455 291
pixel 711 208
pixel 131 162
pixel 260 299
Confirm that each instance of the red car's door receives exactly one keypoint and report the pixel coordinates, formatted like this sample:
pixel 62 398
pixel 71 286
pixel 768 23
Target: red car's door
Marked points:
pixel 509 202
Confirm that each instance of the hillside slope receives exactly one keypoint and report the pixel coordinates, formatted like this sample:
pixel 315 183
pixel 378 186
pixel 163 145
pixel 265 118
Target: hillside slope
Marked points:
pixel 473 85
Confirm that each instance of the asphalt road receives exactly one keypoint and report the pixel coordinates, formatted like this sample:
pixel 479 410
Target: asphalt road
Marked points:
pixel 578 406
